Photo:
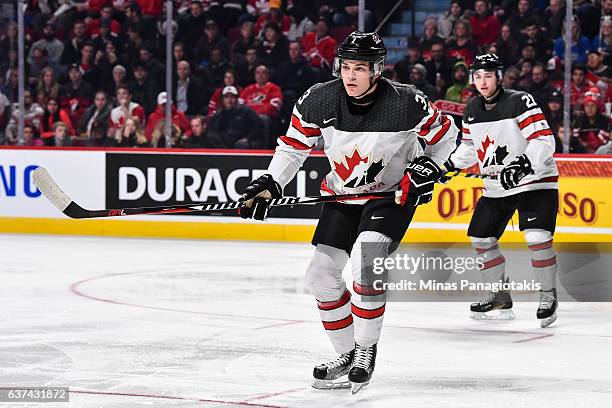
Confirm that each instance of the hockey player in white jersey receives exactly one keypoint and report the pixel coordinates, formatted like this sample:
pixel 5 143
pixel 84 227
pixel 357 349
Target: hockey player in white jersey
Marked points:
pixel 505 132
pixel 378 135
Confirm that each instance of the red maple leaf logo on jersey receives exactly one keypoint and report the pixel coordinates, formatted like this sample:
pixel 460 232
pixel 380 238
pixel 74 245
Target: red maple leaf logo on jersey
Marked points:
pixel 485 146
pixel 345 171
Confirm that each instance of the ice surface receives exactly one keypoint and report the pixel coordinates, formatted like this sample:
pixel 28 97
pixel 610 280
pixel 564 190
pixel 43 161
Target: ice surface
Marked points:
pixel 177 323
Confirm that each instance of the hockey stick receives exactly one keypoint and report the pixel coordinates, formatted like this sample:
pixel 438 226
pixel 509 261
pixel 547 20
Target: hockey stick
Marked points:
pixel 470 175
pixel 51 191
pixel 59 199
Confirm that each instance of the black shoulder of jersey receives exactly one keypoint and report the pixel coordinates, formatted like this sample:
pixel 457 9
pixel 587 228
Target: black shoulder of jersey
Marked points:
pixel 320 100
pixel 521 101
pixel 473 105
pixel 400 89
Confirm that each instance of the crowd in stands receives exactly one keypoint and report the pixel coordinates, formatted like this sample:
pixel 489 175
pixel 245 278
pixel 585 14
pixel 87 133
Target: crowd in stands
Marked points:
pixel 96 69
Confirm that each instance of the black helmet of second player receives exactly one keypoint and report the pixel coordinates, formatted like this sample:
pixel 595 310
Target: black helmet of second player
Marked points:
pixel 486 62
pixel 363 47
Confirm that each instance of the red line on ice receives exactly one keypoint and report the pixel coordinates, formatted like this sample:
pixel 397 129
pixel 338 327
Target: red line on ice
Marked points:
pixel 542 336
pixel 74 288
pixel 274 394
pixel 279 324
pixel 167 397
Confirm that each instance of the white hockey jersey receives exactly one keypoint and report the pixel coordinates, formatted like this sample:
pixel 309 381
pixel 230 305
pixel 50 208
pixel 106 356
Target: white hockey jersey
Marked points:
pixel 492 138
pixel 366 152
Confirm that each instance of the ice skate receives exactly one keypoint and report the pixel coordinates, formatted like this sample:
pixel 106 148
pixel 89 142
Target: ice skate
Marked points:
pixel 547 311
pixel 332 375
pixel 362 367
pixel 497 306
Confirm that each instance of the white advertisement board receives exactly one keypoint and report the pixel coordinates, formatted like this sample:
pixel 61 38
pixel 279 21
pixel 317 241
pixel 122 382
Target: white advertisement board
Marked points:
pixel 79 173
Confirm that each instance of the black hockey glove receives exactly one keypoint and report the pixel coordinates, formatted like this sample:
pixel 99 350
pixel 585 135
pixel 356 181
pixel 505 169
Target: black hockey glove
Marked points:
pixel 417 185
pixel 256 197
pixel 447 167
pixel 515 171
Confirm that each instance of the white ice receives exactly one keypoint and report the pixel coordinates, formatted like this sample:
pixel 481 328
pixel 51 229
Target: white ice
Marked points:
pixel 178 323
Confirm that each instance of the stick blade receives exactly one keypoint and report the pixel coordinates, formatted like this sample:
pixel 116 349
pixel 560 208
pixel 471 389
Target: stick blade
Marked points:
pixel 42 179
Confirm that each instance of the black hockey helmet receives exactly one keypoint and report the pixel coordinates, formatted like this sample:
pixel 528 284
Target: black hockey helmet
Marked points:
pixel 363 47
pixel 486 62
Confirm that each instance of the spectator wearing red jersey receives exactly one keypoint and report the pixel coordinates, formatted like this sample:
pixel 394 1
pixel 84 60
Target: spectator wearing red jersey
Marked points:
pixel 485 25
pixel 126 109
pixel 229 79
pixel 264 97
pixel 319 47
pixel 77 95
pixel 591 129
pixel 151 8
pixel 178 118
pixel 52 115
pixel 460 44
pixel 104 27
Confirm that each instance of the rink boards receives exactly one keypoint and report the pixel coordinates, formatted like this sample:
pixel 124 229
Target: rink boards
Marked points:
pixel 119 178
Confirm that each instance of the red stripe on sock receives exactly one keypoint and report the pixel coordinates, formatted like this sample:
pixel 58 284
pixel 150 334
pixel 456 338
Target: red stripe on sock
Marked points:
pixel 339 324
pixel 541 246
pixel 367 314
pixel 483 250
pixel 366 290
pixel 335 304
pixel 493 262
pixel 544 263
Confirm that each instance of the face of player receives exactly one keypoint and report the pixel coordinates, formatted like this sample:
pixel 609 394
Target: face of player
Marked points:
pixel 355 76
pixel 485 82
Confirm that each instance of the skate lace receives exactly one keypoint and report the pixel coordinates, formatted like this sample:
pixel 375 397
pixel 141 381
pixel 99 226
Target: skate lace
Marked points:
pixel 340 361
pixel 489 299
pixel 546 299
pixel 363 356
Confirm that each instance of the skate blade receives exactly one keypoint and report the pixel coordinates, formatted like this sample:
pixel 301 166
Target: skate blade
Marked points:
pixel 337 384
pixel 548 321
pixel 499 314
pixel 356 387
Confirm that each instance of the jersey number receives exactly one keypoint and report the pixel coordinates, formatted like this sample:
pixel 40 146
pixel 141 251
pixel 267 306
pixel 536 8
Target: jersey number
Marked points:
pixel 303 97
pixel 529 101
pixel 421 99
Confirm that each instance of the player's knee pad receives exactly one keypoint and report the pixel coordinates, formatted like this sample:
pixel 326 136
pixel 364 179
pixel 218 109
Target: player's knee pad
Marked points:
pixel 374 245
pixel 537 236
pixel 324 274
